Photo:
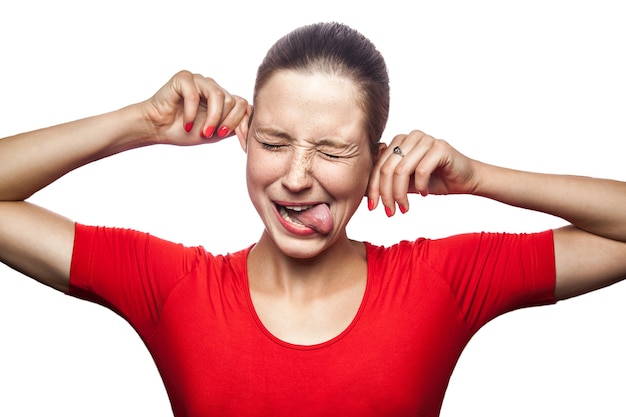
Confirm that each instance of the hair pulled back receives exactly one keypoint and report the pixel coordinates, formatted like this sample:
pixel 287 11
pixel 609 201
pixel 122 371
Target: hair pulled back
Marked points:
pixel 334 48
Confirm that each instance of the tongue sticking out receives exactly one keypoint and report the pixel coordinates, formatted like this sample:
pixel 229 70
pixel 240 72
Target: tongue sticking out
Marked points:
pixel 317 218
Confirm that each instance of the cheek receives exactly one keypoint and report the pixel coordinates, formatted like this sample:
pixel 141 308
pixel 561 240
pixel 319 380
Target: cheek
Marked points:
pixel 345 180
pixel 262 170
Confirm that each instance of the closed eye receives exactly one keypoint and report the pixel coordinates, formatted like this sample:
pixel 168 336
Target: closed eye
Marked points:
pixel 269 146
pixel 330 156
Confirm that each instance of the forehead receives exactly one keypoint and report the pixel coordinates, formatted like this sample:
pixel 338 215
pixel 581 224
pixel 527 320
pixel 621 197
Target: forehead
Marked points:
pixel 310 103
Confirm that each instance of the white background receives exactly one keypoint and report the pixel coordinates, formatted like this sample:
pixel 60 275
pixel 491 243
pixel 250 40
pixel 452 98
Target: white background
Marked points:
pixel 537 85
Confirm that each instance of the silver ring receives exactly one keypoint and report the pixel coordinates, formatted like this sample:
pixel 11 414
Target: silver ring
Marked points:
pixel 398 151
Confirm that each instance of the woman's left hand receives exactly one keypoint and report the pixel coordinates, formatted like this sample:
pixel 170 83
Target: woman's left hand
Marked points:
pixel 418 163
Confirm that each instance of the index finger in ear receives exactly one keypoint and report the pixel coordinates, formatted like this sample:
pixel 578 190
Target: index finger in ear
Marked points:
pixel 372 193
pixel 242 128
pixel 373 186
pixel 233 119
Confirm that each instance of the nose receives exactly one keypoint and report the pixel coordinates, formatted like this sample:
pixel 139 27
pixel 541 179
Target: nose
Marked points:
pixel 298 173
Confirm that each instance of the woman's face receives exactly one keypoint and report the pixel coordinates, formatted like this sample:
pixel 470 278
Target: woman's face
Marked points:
pixel 308 159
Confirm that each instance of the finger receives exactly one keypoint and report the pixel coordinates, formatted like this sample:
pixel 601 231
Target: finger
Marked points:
pixel 411 166
pixel 238 109
pixel 217 99
pixel 372 193
pixel 373 186
pixel 434 160
pixel 242 128
pixel 389 171
pixel 184 86
pixel 403 158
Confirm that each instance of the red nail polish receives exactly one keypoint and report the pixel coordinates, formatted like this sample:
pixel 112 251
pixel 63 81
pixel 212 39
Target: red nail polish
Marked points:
pixel 403 209
pixel 188 127
pixel 208 133
pixel 388 212
pixel 222 132
pixel 370 204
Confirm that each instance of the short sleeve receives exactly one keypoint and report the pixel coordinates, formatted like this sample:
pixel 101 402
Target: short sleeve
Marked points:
pixel 130 272
pixel 490 274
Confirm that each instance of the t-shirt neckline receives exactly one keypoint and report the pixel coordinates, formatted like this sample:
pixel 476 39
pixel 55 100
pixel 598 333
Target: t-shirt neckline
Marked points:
pixel 333 340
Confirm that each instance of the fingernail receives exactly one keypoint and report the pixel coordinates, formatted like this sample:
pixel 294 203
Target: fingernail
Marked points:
pixel 370 204
pixel 403 209
pixel 208 133
pixel 188 127
pixel 388 212
pixel 223 132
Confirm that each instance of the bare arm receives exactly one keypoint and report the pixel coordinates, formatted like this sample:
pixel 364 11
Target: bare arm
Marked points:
pixel 589 254
pixel 38 242
pixel 33 240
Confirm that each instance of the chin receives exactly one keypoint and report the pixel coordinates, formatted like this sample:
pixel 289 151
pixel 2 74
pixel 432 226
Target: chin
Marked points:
pixel 300 250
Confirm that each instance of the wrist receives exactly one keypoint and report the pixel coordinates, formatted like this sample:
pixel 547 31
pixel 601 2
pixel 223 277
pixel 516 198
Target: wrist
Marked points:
pixel 483 177
pixel 134 127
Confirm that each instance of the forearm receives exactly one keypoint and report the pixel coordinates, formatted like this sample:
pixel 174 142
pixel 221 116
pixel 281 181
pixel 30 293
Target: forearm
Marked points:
pixel 31 161
pixel 591 204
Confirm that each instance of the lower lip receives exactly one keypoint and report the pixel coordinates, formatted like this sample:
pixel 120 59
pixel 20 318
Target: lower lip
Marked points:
pixel 293 228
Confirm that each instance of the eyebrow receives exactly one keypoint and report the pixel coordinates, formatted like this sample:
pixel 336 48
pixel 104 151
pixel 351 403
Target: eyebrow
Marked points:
pixel 283 135
pixel 273 132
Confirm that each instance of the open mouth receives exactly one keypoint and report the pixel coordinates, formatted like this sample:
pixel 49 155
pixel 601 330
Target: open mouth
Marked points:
pixel 313 216
pixel 291 213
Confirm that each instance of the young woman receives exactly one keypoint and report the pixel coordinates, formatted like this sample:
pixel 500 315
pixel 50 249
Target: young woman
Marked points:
pixel 307 321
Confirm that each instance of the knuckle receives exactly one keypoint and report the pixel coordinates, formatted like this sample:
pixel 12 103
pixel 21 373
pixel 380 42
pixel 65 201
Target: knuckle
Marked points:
pixel 421 172
pixel 400 171
pixel 184 74
pixel 219 94
pixel 398 195
pixel 399 137
pixel 440 144
pixel 387 170
pixel 240 100
pixel 229 100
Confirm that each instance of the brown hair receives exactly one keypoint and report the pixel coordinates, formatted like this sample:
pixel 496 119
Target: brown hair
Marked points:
pixel 335 48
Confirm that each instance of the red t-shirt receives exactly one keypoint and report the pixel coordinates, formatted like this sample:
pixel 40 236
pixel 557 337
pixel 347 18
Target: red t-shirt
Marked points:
pixel 423 302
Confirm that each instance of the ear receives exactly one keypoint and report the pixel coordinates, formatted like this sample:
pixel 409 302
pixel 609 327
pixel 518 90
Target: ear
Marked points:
pixel 244 127
pixel 381 148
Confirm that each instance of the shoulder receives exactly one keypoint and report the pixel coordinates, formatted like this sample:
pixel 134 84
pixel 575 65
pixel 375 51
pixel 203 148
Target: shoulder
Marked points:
pixel 460 247
pixel 126 246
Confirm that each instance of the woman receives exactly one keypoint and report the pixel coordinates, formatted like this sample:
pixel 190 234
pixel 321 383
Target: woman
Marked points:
pixel 307 321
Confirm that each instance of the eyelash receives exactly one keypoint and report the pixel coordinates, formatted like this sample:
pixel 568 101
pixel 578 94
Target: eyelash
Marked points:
pixel 330 156
pixel 272 147
pixel 269 146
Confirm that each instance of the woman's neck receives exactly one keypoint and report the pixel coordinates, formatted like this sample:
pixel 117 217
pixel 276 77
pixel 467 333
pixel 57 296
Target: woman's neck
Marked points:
pixel 271 271
pixel 307 301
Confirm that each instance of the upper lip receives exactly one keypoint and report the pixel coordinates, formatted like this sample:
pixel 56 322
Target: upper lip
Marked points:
pixel 298 205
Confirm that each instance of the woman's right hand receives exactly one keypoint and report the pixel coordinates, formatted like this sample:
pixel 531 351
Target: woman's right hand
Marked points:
pixel 191 109
pixel 38 242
